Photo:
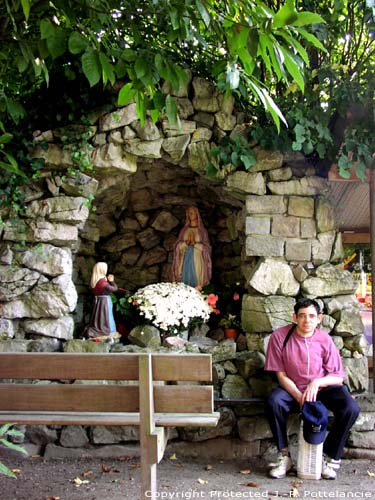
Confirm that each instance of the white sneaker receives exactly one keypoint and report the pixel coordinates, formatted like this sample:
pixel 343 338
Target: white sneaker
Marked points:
pixel 330 468
pixel 282 466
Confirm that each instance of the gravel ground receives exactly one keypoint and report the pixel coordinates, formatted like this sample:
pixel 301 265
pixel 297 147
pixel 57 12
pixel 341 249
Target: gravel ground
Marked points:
pixel 116 479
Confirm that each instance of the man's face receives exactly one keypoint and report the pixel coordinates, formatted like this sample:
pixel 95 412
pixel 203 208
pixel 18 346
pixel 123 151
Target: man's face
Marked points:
pixel 307 320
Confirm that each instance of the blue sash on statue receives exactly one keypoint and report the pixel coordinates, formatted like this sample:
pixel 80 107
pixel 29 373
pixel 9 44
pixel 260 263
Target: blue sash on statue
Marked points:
pixel 189 276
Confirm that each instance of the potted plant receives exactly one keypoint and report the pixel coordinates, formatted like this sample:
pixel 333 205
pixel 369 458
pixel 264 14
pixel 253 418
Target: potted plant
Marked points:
pixel 172 307
pixel 229 310
pixel 230 325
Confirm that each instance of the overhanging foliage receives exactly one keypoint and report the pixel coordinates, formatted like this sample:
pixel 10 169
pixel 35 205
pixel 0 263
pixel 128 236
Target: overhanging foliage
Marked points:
pixel 309 66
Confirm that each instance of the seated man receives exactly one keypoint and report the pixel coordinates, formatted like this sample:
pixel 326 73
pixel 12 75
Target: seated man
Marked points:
pixel 308 368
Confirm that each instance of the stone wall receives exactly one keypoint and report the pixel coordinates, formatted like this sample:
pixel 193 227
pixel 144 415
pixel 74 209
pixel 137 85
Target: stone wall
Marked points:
pixel 271 229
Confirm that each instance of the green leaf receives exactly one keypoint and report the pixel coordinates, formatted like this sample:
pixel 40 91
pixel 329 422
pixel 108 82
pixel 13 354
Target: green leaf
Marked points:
pixel 171 110
pixel 140 107
pixel 4 428
pixel 13 170
pixel 46 29
pixel 91 66
pixel 42 49
pixel 6 138
pixel 77 43
pixel 159 100
pixel 15 109
pixel 211 171
pixel 304 18
pixel 56 43
pixel 203 12
pixel 182 75
pixel 311 39
pixel 5 471
pixel 293 68
pixel 22 64
pixel 344 165
pixel 215 151
pixel 120 69
pixel 247 60
pixel 126 94
pixel 234 157
pixel 275 60
pixel 297 46
pixel 296 146
pixel 274 110
pixel 321 150
pixel 161 66
pixel 155 114
pixel 360 170
pixel 15 433
pixel 129 55
pixel 26 8
pixel 175 17
pixel 108 72
pixel 141 68
pixel 264 50
pixel 248 160
pixel 173 77
pixel 308 147
pixel 252 42
pixel 13 446
pixel 268 103
pixel 286 15
pixel 299 130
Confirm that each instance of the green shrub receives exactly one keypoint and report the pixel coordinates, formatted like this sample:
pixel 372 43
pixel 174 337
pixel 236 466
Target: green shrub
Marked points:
pixel 5 431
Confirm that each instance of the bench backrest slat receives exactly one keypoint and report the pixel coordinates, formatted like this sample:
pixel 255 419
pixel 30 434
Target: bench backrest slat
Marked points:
pixel 174 367
pixel 69 366
pixel 102 398
pixel 119 366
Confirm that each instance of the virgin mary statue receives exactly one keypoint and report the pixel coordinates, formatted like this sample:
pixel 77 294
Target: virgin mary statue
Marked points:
pixel 192 253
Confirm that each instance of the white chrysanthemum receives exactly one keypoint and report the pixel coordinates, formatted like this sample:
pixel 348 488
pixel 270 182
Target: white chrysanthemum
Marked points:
pixel 171 306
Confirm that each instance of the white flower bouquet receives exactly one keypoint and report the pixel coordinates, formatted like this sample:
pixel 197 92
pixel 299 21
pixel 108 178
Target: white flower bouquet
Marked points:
pixel 172 307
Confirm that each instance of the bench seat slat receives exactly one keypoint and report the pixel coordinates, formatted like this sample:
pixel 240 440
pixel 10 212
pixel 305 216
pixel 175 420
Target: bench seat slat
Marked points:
pixel 187 419
pixel 110 418
pixel 69 418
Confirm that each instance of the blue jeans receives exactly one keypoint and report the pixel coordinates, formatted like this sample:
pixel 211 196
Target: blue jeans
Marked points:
pixel 336 398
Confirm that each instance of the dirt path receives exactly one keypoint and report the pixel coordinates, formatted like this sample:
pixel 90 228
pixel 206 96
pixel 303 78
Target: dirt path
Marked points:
pixel 103 479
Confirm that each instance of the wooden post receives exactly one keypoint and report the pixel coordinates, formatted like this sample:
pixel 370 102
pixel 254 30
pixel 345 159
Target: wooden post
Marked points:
pixel 152 439
pixel 372 236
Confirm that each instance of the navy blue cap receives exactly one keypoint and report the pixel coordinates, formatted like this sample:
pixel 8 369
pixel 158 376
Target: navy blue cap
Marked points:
pixel 315 421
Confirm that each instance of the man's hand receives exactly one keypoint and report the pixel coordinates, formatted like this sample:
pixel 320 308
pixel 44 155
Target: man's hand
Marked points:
pixel 288 384
pixel 311 391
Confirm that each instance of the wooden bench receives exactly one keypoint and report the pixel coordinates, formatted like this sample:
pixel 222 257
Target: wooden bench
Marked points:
pixel 171 401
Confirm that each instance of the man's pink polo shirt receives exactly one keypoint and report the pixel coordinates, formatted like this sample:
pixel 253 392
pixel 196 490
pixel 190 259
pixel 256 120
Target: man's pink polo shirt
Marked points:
pixel 304 358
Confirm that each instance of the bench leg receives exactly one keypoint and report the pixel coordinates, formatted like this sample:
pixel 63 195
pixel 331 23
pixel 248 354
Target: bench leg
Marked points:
pixel 152 450
pixel 149 484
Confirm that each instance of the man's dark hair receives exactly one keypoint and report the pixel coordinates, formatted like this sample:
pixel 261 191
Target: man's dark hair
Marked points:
pixel 302 303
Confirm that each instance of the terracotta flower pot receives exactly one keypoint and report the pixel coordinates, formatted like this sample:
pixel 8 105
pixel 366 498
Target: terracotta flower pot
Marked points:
pixel 231 333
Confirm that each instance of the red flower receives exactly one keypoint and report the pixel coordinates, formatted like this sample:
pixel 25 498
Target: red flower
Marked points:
pixel 236 296
pixel 212 299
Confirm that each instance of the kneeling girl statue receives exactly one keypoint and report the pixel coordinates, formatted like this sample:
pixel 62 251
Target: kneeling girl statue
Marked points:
pixel 102 322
